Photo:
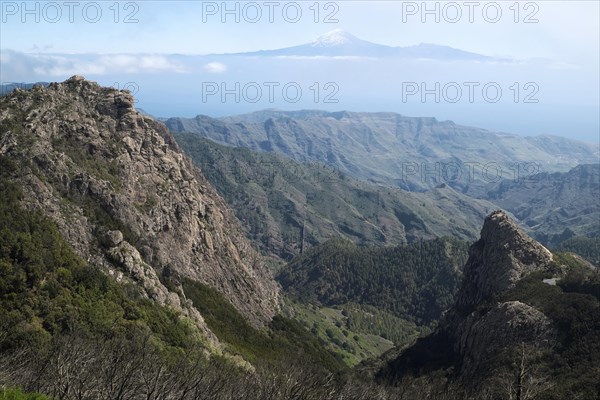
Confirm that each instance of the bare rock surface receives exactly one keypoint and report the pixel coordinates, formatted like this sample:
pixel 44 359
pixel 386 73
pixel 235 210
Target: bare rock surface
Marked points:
pixel 126 198
pixel 480 337
pixel 501 257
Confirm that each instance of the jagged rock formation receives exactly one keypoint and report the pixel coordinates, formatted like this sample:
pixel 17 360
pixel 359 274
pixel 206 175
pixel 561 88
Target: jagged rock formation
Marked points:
pixel 126 198
pixel 503 255
pixel 481 336
pixel 484 324
pixel 497 261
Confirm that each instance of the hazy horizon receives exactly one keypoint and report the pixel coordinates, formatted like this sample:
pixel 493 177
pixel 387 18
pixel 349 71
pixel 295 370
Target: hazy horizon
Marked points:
pixel 523 70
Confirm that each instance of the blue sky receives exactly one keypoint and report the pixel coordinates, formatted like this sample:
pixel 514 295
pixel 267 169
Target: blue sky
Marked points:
pixel 566 29
pixel 554 42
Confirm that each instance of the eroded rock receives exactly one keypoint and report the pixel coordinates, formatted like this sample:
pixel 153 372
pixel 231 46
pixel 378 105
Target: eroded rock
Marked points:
pixel 97 164
pixel 502 256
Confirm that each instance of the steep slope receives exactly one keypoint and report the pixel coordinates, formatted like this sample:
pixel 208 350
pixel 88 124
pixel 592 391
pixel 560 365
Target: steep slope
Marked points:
pixel 46 290
pixel 415 282
pixel 501 257
pixel 525 324
pixel 553 206
pixel 285 205
pixel 126 198
pixel 70 331
pixel 363 300
pixel 411 153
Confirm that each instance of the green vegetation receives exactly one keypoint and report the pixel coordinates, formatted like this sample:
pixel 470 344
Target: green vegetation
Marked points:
pixel 569 369
pixel 284 204
pixel 57 310
pixel 46 290
pixel 413 282
pixel 574 307
pixel 69 331
pixel 14 124
pixel 16 394
pixel 332 327
pixel 85 157
pixel 362 300
pixel 283 341
pixel 373 321
pixel 586 247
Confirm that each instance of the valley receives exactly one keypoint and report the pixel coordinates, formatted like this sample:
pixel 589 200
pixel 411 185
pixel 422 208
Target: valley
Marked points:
pixel 281 255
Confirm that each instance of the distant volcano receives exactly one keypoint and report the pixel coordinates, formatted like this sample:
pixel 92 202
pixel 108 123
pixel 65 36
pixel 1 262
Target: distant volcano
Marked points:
pixel 339 43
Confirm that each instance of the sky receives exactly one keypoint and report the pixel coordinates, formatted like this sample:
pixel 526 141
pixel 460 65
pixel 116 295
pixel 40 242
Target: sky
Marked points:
pixel 105 36
pixel 551 29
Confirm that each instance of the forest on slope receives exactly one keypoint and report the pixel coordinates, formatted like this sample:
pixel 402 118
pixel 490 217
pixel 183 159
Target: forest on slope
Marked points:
pixel 285 205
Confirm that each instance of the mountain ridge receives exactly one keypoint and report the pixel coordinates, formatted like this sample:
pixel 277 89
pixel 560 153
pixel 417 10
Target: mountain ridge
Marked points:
pixel 140 217
pixel 101 170
pixel 553 206
pixel 388 148
pixel 524 319
pixel 288 207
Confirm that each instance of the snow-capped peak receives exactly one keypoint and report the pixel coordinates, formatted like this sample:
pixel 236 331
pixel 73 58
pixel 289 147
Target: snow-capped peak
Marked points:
pixel 336 37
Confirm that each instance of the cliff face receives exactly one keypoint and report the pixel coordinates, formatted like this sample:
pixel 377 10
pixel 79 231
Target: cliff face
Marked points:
pixel 126 198
pixel 482 336
pixel 501 257
pixel 487 322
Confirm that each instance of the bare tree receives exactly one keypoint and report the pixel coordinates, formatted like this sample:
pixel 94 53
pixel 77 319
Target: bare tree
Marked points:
pixel 525 380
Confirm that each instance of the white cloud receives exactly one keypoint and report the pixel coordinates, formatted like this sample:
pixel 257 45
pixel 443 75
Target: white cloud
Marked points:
pixel 52 65
pixel 215 67
pixel 143 63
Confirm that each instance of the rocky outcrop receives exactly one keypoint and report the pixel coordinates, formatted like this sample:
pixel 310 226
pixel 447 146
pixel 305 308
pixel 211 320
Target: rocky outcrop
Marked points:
pixel 481 336
pixel 484 326
pixel 502 256
pixel 126 198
